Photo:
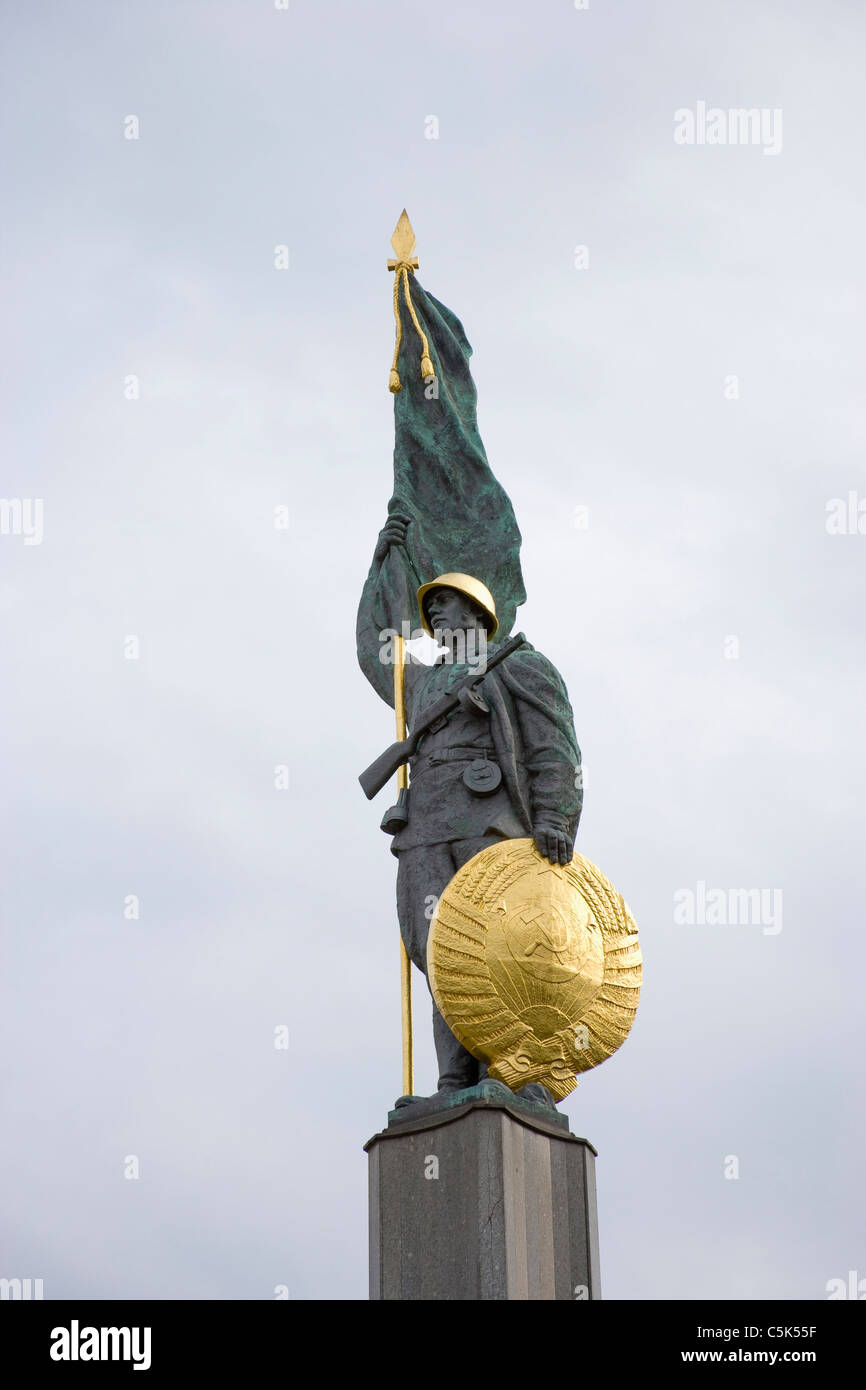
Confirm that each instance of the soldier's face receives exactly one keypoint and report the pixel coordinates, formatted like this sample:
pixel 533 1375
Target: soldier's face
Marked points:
pixel 447 609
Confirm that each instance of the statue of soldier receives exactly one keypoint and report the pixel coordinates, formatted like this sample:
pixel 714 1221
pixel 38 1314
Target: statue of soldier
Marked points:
pixel 504 767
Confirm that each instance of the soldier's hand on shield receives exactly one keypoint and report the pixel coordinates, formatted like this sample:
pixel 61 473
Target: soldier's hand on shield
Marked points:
pixel 392 533
pixel 553 844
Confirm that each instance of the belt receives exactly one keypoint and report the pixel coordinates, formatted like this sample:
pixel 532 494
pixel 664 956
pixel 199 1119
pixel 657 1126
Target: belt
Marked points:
pixel 458 754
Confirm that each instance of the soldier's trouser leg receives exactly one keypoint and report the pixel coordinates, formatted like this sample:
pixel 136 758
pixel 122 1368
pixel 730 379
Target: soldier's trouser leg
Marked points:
pixel 422 875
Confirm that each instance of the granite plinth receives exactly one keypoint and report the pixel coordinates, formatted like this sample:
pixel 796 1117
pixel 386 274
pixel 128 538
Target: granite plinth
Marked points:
pixel 482 1196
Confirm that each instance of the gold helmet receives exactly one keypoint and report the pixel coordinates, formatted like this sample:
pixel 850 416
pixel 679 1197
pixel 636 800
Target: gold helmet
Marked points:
pixel 464 584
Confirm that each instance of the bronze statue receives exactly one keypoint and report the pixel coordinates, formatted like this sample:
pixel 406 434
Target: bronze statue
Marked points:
pixel 502 762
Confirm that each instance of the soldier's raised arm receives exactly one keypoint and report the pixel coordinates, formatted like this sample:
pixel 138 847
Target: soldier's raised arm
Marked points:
pixel 386 602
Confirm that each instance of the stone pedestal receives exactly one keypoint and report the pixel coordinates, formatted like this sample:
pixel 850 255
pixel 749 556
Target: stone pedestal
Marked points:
pixel 489 1198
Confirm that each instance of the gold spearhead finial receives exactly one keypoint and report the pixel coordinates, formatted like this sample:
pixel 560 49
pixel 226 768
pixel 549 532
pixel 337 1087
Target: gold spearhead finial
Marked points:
pixel 403 242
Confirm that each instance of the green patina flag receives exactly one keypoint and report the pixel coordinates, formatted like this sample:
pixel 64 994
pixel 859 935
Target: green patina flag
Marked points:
pixel 462 519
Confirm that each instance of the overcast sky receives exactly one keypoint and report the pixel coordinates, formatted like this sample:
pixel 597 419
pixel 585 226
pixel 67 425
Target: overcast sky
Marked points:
pixel 671 411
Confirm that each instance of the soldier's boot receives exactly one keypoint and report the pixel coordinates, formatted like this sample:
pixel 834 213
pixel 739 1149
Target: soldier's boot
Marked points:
pixel 540 1094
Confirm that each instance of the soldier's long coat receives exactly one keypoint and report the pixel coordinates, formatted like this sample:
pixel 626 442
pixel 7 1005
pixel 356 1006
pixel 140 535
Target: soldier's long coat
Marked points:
pixel 529 733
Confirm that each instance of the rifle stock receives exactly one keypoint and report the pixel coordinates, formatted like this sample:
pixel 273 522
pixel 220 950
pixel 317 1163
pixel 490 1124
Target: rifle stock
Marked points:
pixel 382 770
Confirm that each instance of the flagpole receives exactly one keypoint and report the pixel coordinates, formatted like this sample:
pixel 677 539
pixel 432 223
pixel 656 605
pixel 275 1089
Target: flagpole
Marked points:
pixel 405 963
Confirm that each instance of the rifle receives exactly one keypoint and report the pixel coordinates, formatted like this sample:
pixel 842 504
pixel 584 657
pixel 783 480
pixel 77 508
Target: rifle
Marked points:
pixel 382 770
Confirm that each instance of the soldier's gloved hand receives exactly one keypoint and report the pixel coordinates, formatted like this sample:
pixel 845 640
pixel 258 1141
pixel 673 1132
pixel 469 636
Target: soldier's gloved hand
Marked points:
pixel 553 844
pixel 392 533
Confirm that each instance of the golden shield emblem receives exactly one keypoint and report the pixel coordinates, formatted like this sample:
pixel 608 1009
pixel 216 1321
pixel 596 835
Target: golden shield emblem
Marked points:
pixel 535 967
